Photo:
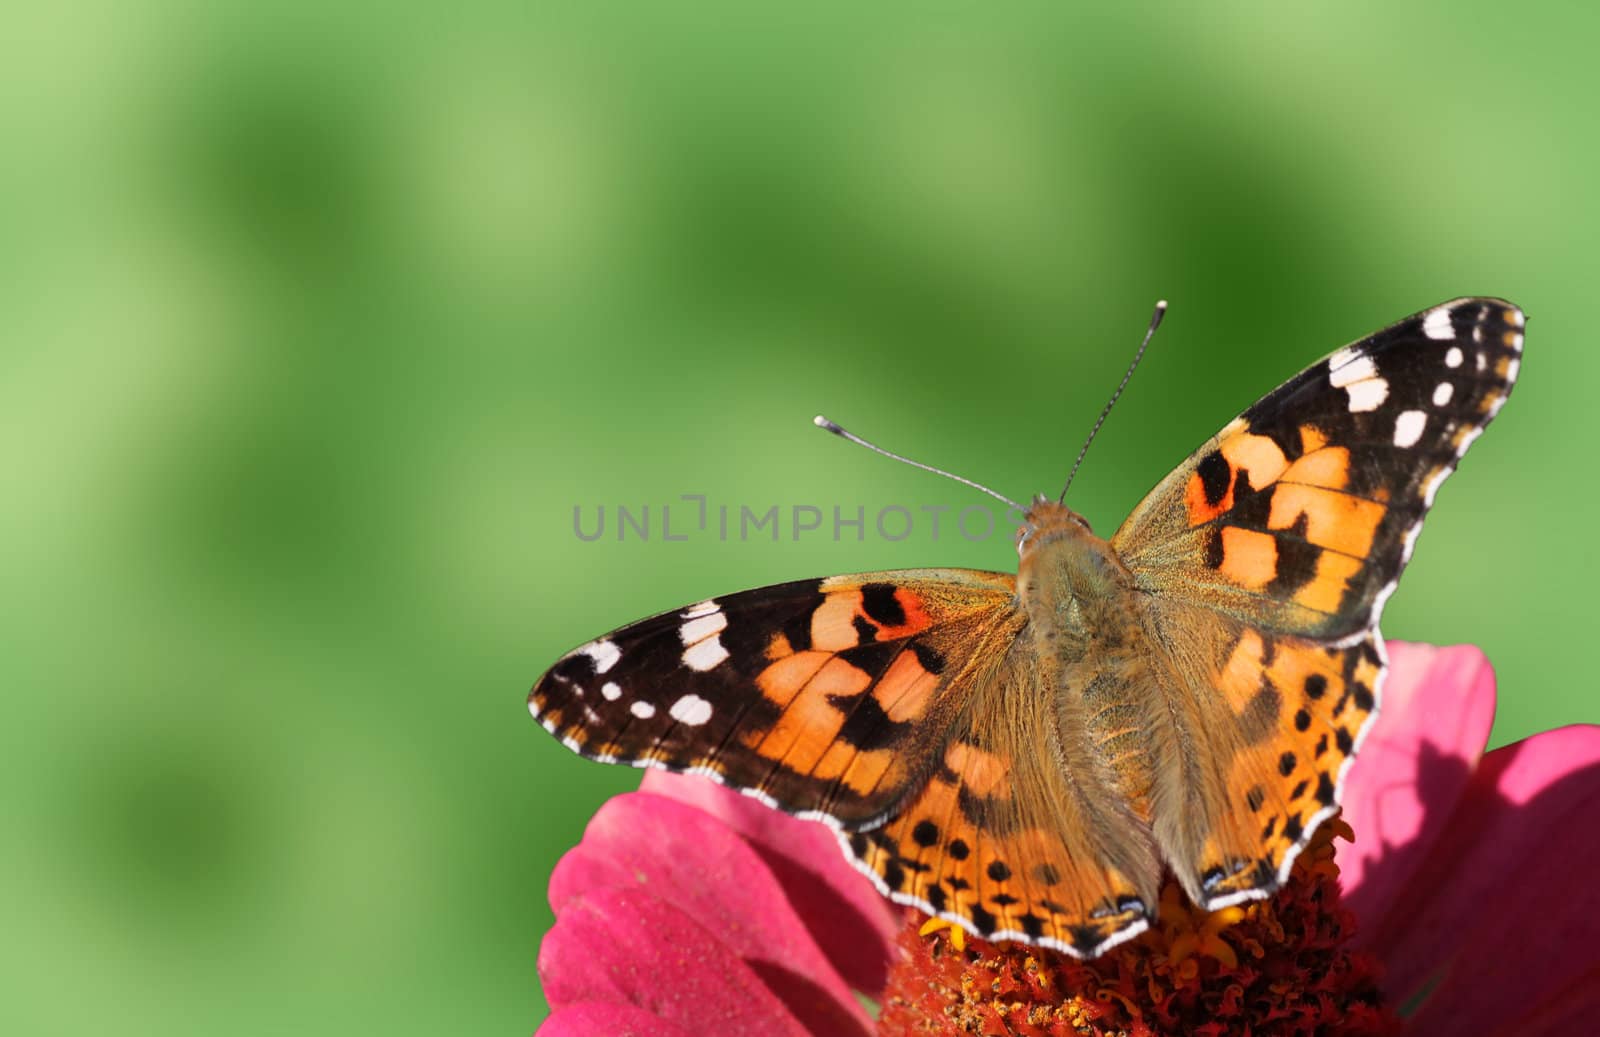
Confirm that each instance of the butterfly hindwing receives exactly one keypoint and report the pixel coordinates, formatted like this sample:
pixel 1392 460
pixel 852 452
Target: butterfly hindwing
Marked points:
pixel 826 697
pixel 1304 706
pixel 1299 515
pixel 1266 559
pixel 1275 720
pixel 1019 833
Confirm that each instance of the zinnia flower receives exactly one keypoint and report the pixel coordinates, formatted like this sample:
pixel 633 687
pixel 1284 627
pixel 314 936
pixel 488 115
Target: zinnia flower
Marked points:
pixel 1468 907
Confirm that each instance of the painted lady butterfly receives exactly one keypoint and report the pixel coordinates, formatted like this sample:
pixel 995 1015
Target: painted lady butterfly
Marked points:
pixel 1024 755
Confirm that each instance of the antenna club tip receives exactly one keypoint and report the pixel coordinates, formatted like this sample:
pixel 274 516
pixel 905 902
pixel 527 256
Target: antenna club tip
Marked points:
pixel 824 423
pixel 1161 304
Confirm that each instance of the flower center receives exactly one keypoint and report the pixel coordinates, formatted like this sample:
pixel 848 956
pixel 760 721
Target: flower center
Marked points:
pixel 1274 966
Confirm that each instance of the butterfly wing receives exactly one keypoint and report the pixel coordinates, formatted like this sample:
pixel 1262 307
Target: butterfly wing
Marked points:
pixel 903 709
pixel 1266 559
pixel 829 698
pixel 1021 833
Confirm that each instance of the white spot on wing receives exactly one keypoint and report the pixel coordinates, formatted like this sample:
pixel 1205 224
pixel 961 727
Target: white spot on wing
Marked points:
pixel 1512 367
pixel 604 653
pixel 1342 357
pixel 691 710
pixel 611 691
pixel 642 710
pixel 704 655
pixel 705 608
pixel 699 632
pixel 1442 393
pixel 1408 427
pixel 1359 378
pixel 1453 358
pixel 702 627
pixel 1356 370
pixel 1436 324
pixel 1368 395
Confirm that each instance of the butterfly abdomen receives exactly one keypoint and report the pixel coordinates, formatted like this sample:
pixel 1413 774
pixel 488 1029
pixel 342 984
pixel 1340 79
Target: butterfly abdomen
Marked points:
pixel 1087 642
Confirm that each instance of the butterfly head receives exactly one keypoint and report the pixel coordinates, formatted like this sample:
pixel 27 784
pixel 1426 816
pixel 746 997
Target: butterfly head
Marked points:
pixel 1046 521
pixel 1064 571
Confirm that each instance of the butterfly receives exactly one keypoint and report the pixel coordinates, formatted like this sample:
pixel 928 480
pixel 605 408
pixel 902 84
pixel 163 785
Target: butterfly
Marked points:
pixel 1027 756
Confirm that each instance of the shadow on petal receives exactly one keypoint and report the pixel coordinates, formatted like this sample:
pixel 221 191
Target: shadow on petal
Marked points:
pixel 1414 766
pixel 1499 928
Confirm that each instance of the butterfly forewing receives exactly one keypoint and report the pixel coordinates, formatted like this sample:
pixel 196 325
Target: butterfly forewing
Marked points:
pixel 1299 515
pixel 822 696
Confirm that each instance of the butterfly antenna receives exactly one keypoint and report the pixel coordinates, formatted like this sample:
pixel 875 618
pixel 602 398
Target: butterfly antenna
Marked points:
pixel 843 433
pixel 1155 322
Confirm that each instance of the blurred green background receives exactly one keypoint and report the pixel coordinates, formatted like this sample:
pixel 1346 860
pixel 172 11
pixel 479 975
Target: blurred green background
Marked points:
pixel 319 321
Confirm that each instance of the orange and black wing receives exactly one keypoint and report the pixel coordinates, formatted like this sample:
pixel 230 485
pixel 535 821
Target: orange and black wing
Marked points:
pixel 1300 514
pixel 1021 834
pixel 903 709
pixel 1266 560
pixel 827 698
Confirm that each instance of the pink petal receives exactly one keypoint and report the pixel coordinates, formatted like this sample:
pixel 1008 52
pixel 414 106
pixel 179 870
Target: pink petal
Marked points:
pixel 598 1019
pixel 625 947
pixel 851 921
pixel 691 860
pixel 1438 706
pixel 1502 926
